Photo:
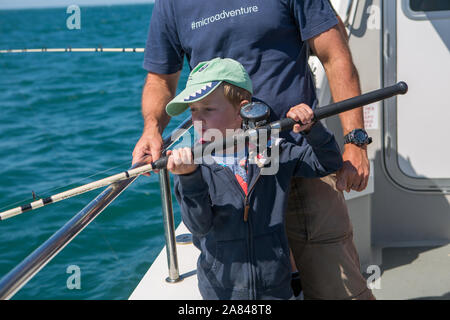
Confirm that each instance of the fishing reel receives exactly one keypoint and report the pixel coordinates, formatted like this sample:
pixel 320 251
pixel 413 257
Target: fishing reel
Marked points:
pixel 254 115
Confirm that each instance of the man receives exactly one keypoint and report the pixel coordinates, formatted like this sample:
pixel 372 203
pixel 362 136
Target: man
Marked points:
pixel 272 39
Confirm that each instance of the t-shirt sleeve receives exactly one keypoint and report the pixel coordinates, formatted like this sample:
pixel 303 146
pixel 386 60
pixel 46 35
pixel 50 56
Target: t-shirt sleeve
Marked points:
pixel 313 17
pixel 163 50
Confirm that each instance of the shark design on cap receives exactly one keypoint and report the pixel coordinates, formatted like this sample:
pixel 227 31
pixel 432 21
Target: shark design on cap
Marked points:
pixel 202 91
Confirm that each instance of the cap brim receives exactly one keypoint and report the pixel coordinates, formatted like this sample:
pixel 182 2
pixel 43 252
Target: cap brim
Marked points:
pixel 191 94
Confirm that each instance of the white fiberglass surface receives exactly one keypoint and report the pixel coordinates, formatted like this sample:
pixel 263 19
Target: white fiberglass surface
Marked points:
pixel 423 61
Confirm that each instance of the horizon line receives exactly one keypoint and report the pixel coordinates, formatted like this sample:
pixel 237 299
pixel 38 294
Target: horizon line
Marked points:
pixel 57 6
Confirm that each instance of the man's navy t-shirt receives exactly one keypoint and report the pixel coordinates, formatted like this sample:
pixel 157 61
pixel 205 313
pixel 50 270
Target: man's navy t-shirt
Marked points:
pixel 268 37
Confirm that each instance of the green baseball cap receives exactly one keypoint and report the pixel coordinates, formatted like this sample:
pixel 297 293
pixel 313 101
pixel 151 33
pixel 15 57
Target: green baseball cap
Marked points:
pixel 206 77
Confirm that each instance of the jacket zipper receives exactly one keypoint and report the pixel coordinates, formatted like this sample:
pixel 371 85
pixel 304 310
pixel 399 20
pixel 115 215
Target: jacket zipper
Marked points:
pixel 250 242
pixel 250 259
pixel 246 204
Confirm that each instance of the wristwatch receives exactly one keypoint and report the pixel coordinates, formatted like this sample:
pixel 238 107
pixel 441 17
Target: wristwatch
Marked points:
pixel 358 137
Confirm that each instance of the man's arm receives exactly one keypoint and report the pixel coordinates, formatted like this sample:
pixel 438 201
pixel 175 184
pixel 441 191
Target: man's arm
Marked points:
pixel 332 49
pixel 158 90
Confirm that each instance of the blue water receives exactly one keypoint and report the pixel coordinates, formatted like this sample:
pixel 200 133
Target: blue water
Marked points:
pixel 65 117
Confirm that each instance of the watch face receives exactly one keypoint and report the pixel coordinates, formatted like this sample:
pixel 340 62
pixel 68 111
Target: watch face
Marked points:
pixel 360 136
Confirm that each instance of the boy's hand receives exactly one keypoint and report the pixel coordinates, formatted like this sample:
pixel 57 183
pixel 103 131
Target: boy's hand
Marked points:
pixel 302 113
pixel 181 161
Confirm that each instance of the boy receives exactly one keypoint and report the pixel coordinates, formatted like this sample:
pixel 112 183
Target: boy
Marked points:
pixel 235 213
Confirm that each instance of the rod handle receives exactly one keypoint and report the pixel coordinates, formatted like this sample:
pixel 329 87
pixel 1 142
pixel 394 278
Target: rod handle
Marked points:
pixel 349 104
pixel 359 101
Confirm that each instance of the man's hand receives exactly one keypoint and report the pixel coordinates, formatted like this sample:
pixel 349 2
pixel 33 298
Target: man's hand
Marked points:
pixel 181 161
pixel 354 174
pixel 148 148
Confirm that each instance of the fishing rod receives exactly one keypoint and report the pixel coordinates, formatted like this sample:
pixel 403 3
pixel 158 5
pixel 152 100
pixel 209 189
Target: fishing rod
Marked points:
pixel 167 143
pixel 198 150
pixel 70 49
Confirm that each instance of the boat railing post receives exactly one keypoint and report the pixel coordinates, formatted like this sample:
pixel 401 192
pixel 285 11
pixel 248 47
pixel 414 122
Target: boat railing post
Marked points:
pixel 169 226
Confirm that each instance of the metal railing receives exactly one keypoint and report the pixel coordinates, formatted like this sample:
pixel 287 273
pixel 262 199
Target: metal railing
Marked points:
pixel 31 265
pixel 166 200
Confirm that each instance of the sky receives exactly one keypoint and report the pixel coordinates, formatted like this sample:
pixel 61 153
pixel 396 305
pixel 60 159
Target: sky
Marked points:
pixel 19 4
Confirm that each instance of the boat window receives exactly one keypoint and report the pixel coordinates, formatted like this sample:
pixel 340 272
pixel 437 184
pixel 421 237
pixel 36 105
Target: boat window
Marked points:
pixel 429 5
pixel 413 160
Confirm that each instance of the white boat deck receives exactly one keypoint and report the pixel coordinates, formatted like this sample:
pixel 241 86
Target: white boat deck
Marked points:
pixel 415 273
pixel 153 285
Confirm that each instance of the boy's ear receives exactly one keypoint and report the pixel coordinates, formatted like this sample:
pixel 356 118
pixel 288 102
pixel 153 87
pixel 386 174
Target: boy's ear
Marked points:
pixel 244 102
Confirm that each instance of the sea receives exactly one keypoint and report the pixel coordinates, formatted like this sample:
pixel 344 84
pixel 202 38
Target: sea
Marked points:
pixel 71 118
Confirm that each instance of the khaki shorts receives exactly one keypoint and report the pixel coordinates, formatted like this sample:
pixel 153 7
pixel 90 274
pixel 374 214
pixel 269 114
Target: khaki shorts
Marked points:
pixel 321 239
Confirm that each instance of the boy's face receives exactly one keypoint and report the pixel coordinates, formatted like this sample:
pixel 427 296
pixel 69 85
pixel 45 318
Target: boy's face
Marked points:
pixel 215 112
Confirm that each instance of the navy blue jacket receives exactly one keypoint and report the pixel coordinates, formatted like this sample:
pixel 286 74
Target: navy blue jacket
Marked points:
pixel 249 259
